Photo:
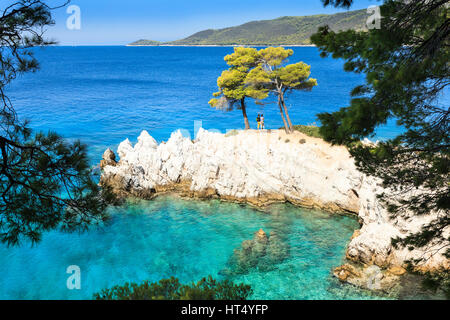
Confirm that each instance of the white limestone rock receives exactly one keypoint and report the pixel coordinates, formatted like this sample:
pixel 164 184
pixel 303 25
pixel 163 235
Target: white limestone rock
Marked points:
pixel 254 165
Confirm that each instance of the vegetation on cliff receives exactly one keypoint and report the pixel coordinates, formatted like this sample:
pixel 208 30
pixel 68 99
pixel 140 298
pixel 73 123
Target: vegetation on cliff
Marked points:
pixel 233 91
pixel 273 76
pixel 281 31
pixel 407 69
pixel 258 74
pixel 310 130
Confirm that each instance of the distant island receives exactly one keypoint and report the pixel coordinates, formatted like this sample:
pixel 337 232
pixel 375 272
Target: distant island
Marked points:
pixel 144 42
pixel 292 30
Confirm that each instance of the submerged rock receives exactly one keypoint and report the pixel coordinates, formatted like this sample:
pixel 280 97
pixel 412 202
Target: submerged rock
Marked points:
pixel 261 168
pixel 261 236
pixel 262 252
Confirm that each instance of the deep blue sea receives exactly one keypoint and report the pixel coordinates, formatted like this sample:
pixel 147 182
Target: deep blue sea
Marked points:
pixel 102 95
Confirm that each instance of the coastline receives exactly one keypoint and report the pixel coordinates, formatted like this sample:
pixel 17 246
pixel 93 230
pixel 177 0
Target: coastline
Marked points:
pixel 217 45
pixel 272 167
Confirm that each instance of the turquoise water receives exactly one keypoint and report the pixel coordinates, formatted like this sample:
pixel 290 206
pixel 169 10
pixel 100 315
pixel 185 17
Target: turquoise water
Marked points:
pixel 103 95
pixel 189 240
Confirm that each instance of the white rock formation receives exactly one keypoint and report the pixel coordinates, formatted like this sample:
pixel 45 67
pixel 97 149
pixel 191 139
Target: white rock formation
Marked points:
pixel 261 167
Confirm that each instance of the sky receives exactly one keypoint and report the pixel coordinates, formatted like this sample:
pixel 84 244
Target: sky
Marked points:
pixel 118 22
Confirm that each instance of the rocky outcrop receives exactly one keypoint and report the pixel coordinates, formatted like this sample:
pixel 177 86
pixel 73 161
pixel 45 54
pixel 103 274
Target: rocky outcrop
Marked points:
pixel 269 166
pixel 108 159
pixel 259 168
pixel 371 277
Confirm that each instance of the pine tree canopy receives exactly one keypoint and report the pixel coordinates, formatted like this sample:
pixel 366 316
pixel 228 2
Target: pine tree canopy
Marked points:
pixel 406 64
pixel 45 181
pixel 258 74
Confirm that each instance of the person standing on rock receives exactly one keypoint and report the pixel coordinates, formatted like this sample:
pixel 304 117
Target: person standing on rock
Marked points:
pixel 258 120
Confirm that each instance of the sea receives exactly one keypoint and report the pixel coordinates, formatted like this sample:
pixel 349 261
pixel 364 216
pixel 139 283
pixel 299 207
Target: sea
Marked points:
pixel 103 95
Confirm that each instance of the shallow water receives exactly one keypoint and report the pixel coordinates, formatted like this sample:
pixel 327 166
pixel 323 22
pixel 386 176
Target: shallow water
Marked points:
pixel 189 240
pixel 103 95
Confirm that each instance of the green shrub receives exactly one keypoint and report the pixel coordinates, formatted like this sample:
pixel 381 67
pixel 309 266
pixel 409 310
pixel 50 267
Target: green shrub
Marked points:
pixel 172 289
pixel 309 130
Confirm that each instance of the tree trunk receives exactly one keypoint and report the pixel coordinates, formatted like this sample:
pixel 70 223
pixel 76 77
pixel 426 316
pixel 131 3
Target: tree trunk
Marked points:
pixel 244 113
pixel 291 127
pixel 282 115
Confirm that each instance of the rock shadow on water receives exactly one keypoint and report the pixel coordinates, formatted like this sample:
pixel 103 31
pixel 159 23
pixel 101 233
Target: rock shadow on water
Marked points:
pixel 262 252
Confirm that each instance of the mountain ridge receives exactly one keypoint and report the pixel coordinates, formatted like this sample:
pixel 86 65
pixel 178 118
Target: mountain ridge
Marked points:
pixel 286 30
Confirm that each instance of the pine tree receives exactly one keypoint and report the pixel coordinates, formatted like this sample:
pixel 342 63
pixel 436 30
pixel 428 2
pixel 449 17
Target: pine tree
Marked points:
pixel 232 90
pixel 45 181
pixel 406 63
pixel 272 76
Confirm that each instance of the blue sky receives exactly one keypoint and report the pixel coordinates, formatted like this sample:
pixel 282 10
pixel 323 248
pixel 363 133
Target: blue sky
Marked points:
pixel 116 22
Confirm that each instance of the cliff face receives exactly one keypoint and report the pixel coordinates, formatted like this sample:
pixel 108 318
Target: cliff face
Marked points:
pixel 255 167
pixel 264 167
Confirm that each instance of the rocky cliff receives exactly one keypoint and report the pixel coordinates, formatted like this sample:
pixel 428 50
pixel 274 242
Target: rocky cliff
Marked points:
pixel 270 166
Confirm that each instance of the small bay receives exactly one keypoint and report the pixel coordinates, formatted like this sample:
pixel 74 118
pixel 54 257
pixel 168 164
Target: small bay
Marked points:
pixel 188 239
pixel 103 95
